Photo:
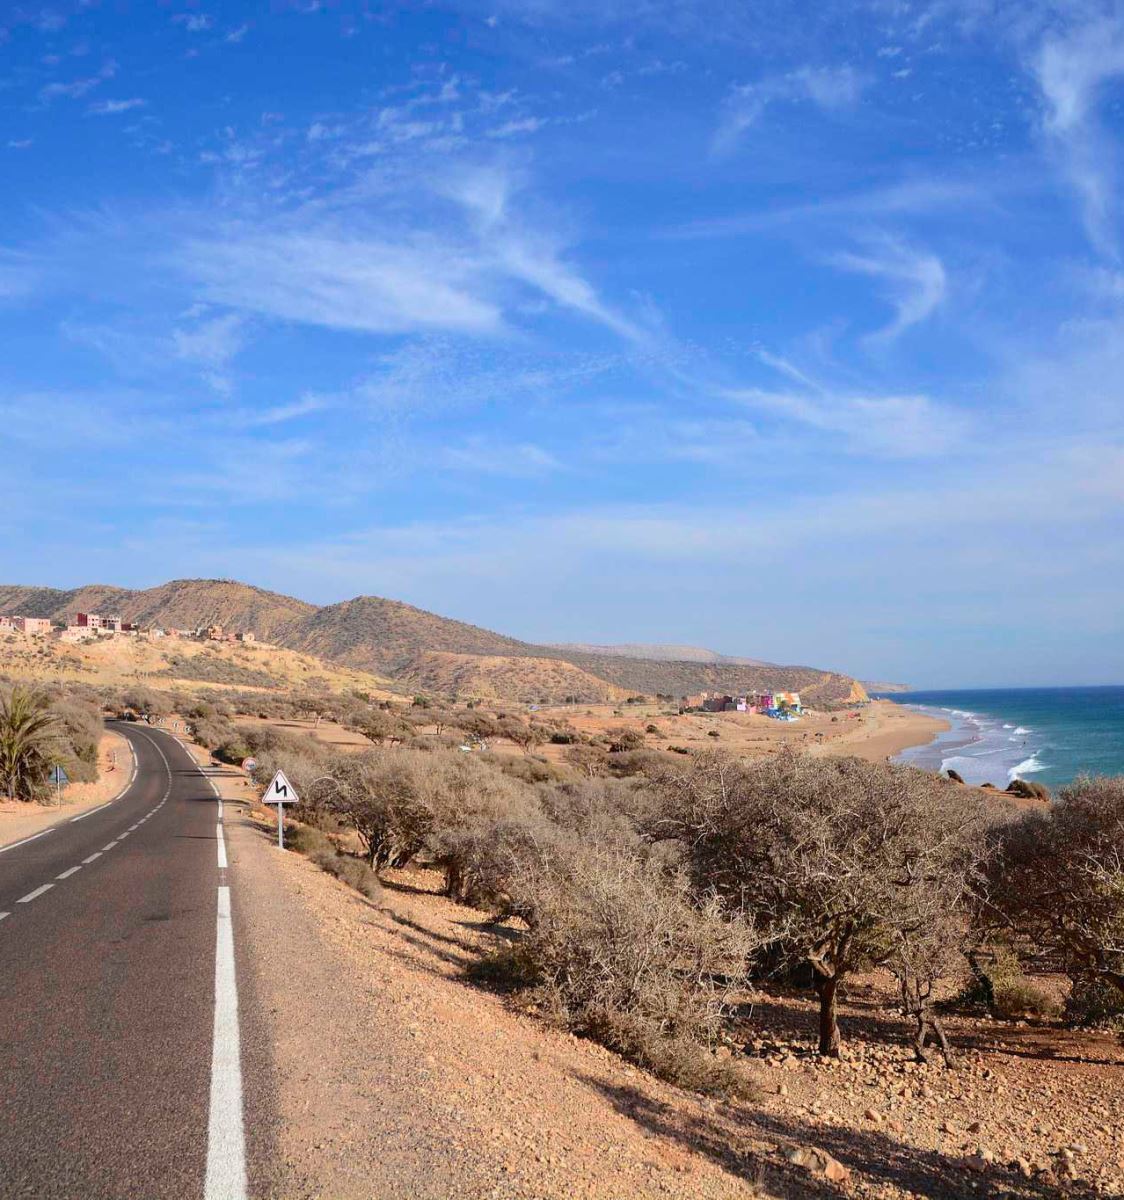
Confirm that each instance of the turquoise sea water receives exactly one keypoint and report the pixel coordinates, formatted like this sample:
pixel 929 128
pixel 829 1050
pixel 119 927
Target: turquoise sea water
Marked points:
pixel 1050 735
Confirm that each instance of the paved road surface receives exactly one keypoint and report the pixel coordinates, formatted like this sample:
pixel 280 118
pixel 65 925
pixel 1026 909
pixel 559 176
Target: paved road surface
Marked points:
pixel 120 1070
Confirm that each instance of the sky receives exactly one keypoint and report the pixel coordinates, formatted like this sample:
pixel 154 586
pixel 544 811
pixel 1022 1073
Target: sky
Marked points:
pixel 793 331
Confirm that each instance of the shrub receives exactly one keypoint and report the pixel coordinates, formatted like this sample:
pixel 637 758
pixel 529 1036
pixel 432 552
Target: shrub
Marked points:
pixel 619 950
pixel 1018 997
pixel 318 848
pixel 843 864
pixel 1058 879
pixel 1095 1003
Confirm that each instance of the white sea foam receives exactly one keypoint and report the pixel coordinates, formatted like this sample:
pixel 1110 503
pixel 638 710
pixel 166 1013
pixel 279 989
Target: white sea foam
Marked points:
pixel 1021 729
pixel 1027 767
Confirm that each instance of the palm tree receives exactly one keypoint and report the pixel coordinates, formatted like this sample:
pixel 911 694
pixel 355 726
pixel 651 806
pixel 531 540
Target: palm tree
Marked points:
pixel 28 742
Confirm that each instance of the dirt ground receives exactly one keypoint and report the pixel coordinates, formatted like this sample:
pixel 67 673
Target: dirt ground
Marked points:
pixel 397 1077
pixel 875 732
pixel 115 766
pixel 1032 1110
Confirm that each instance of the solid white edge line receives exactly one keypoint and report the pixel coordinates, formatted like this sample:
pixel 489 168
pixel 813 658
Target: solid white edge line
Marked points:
pixel 35 894
pixel 90 812
pixel 69 871
pixel 222 850
pixel 24 841
pixel 226 1142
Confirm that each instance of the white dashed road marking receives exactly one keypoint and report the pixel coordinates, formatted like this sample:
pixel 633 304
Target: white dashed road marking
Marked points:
pixel 87 861
pixel 35 894
pixel 67 873
pixel 108 846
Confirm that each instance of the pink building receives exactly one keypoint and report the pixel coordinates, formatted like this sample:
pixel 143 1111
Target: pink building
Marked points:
pixel 31 624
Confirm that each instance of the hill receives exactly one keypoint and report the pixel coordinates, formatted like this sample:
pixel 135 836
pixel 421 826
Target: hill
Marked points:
pixel 174 662
pixel 389 638
pixel 658 653
pixel 181 604
pixel 499 677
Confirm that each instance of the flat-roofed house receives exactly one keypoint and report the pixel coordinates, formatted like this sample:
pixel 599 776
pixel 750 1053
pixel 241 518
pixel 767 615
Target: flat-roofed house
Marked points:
pixel 31 624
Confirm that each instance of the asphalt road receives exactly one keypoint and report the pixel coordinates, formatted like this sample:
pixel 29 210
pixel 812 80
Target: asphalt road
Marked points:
pixel 119 1038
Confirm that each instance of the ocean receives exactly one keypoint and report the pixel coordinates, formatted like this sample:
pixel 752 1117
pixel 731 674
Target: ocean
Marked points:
pixel 1050 735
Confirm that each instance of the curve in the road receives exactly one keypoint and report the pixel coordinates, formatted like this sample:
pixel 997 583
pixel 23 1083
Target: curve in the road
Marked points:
pixel 119 1023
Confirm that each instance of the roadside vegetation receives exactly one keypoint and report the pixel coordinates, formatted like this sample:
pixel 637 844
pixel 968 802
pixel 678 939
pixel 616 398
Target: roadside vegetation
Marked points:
pixel 40 730
pixel 644 898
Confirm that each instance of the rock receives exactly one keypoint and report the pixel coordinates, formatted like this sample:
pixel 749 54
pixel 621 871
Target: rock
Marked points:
pixel 872 1114
pixel 1023 1167
pixel 980 1162
pixel 782 1089
pixel 975 1127
pixel 818 1162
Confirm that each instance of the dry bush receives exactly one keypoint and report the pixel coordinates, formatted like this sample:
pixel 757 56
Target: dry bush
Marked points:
pixel 841 863
pixel 619 950
pixel 1057 880
pixel 317 847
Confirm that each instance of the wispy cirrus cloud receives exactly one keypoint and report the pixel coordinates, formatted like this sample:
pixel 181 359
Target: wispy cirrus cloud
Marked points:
pixel 915 281
pixel 827 88
pixel 111 108
pixel 1073 70
pixel 77 88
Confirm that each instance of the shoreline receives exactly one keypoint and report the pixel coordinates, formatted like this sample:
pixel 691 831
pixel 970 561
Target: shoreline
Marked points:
pixel 888 730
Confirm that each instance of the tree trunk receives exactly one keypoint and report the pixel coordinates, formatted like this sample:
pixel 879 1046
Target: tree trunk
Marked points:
pixel 826 987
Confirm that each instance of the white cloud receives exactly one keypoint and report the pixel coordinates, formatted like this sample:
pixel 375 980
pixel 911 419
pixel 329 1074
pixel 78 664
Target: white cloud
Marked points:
pixel 110 108
pixel 338 279
pixel 79 87
pixel 879 426
pixel 828 88
pixel 479 455
pixel 1072 71
pixel 915 280
pixel 213 343
pixel 193 22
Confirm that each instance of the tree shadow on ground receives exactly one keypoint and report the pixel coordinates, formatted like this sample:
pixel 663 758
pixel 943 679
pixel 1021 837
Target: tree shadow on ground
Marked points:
pixel 873 1156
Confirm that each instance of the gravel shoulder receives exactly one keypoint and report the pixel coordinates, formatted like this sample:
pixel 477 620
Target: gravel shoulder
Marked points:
pixel 394 1078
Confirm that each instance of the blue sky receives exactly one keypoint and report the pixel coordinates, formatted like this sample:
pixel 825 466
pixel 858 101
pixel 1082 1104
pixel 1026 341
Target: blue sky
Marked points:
pixel 794 331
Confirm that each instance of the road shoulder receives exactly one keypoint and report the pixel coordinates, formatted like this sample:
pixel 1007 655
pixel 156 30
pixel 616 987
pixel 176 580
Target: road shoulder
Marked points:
pixel 395 1078
pixel 19 821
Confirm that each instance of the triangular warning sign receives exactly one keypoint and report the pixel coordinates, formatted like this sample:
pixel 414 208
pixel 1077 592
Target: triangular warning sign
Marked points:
pixel 280 791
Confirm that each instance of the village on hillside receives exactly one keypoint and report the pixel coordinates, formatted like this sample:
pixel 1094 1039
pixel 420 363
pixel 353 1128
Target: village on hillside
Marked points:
pixel 89 625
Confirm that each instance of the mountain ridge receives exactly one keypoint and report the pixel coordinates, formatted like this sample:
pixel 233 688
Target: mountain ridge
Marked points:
pixel 394 639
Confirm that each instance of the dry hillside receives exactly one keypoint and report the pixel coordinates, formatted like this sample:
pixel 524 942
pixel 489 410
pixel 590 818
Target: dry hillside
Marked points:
pixel 659 652
pixel 181 604
pixel 389 638
pixel 173 662
pixel 498 677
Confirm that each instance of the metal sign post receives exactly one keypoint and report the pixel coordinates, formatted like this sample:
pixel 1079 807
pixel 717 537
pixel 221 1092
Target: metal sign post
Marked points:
pixel 280 792
pixel 59 777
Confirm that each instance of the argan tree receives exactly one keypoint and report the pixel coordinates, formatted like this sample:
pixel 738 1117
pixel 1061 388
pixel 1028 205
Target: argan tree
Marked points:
pixel 1057 880
pixel 841 864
